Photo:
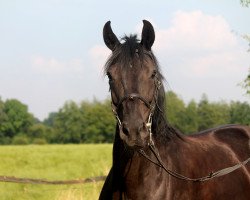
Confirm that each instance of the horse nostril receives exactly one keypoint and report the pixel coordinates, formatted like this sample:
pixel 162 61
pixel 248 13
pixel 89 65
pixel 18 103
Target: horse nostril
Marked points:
pixel 125 129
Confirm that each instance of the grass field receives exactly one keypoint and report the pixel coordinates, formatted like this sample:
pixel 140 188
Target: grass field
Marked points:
pixel 53 162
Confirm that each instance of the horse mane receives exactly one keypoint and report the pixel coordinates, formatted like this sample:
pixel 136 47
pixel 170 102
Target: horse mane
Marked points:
pixel 123 54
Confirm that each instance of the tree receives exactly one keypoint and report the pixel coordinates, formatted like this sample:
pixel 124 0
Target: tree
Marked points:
pixel 49 121
pixel 246 82
pixel 99 122
pixel 239 113
pixel 15 118
pixel 68 124
pixel 175 109
pixel 85 123
pixel 212 114
pixel 41 131
pixel 245 3
pixel 3 117
pixel 191 118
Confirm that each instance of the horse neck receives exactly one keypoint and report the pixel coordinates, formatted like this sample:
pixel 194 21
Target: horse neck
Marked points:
pixel 133 172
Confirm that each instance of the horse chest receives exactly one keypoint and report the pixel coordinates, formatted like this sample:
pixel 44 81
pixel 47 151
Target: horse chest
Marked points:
pixel 147 182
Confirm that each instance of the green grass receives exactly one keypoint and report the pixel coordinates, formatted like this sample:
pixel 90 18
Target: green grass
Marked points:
pixel 53 162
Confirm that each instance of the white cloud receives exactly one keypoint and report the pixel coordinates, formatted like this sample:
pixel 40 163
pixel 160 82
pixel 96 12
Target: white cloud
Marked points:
pixel 196 30
pixel 200 51
pixel 200 45
pixel 53 65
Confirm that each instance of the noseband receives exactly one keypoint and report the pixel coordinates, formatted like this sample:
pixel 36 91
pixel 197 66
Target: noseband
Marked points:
pixel 150 105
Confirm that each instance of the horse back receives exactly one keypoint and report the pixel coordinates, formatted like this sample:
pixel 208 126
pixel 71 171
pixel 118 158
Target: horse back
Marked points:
pixel 235 137
pixel 213 150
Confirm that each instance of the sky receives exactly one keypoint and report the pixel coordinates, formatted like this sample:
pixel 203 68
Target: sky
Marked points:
pixel 52 51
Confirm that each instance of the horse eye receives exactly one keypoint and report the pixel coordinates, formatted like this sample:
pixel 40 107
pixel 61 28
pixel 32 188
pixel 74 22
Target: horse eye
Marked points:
pixel 154 74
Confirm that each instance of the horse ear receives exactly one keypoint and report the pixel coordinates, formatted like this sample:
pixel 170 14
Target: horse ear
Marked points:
pixel 148 35
pixel 109 37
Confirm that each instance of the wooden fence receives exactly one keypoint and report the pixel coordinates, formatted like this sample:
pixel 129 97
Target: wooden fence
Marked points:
pixel 13 179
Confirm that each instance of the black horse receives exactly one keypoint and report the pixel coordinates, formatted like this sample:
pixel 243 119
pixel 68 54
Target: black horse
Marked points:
pixel 151 159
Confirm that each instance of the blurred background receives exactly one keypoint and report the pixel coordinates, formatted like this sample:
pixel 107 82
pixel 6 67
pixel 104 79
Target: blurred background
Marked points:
pixel 52 56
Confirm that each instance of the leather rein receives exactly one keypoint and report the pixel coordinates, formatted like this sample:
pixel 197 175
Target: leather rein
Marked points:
pixel 212 175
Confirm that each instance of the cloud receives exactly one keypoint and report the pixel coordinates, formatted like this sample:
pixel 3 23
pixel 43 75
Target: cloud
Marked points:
pixel 53 65
pixel 196 30
pixel 197 44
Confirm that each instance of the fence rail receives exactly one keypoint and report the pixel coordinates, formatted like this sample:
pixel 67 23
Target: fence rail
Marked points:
pixel 12 179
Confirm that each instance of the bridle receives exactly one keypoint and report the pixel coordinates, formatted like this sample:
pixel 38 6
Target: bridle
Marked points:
pixel 150 105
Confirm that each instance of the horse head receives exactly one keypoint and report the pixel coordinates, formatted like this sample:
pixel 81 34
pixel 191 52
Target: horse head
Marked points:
pixel 134 81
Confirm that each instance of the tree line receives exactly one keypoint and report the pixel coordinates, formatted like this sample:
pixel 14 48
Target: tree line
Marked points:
pixel 94 122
